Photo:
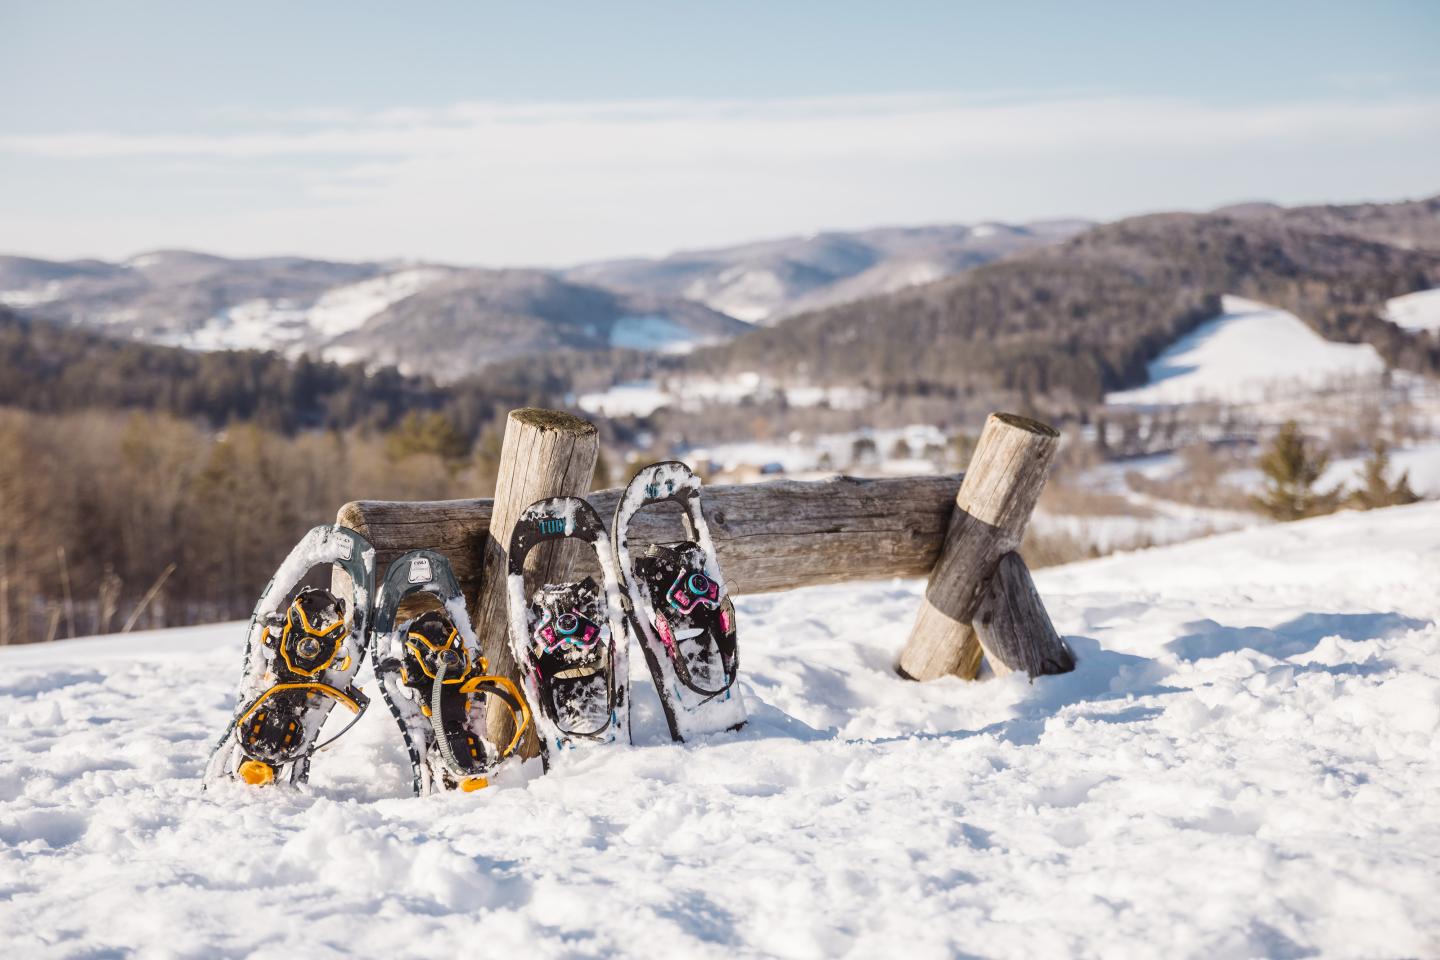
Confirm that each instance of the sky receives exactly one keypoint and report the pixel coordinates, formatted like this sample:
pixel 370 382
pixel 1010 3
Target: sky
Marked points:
pixel 554 133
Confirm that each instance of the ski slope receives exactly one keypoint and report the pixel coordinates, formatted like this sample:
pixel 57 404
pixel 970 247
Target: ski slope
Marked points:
pixel 1250 353
pixel 1244 764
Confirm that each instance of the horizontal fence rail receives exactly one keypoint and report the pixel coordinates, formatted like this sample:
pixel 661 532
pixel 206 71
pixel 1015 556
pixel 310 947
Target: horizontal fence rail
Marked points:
pixel 770 536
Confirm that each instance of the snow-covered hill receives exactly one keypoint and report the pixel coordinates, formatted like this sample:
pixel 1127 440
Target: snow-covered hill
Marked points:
pixel 1251 352
pixel 1244 764
pixel 441 320
pixel 1415 311
pixel 766 281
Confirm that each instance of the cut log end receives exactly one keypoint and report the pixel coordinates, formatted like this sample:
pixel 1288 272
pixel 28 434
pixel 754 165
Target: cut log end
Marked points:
pixel 1020 422
pixel 553 420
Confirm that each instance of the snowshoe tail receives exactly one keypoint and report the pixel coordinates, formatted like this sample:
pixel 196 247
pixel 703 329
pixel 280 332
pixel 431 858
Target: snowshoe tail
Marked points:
pixel 301 655
pixel 436 682
pixel 569 639
pixel 676 603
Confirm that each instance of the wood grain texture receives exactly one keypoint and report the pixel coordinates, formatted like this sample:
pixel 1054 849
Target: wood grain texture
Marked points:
pixel 1007 472
pixel 951 639
pixel 544 454
pixel 769 536
pixel 1013 628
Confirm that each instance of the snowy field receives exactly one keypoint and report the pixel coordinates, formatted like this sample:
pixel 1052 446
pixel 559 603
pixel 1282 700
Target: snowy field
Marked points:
pixel 1251 352
pixel 1415 311
pixel 1243 765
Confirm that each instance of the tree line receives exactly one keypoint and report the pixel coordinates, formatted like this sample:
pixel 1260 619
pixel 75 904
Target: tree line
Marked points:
pixel 100 507
pixel 54 368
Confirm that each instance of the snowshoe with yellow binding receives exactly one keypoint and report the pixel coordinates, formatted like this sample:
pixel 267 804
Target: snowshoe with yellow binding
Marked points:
pixel 302 652
pixel 434 679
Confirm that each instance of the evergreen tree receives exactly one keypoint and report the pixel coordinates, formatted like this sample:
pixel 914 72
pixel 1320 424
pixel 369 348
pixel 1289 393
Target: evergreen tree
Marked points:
pixel 1378 491
pixel 431 433
pixel 1292 468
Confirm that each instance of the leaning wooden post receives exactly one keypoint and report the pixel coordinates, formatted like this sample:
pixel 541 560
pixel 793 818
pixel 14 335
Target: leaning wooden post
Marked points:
pixel 1006 474
pixel 1013 628
pixel 545 454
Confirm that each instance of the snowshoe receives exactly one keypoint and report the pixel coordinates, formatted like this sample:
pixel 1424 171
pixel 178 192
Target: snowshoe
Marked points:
pixel 676 604
pixel 436 682
pixel 569 639
pixel 301 655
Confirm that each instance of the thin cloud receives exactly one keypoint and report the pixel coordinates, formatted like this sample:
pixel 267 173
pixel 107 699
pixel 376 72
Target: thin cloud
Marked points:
pixel 558 182
pixel 817 125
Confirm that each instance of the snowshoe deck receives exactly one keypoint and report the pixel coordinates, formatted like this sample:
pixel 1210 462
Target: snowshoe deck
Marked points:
pixel 677 605
pixel 569 639
pixel 299 664
pixel 435 680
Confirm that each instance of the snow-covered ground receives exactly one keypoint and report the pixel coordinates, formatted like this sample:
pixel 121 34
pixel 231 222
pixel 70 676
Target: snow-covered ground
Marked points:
pixel 1415 311
pixel 1154 521
pixel 1244 764
pixel 1421 462
pixel 896 450
pixel 1250 352
pixel 643 397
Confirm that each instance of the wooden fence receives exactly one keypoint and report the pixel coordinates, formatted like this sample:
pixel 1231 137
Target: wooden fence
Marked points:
pixel 961 530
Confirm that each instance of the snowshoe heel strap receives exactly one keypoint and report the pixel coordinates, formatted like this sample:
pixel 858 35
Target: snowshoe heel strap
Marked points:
pixel 504 690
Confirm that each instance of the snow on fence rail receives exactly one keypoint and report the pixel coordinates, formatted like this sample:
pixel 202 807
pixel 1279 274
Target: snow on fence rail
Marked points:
pixel 778 536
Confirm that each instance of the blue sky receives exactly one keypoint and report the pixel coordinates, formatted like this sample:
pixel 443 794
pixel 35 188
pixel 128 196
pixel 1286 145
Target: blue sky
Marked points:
pixel 550 133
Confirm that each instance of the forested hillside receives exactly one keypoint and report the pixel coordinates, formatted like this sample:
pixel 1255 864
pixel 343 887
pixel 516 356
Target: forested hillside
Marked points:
pixel 55 368
pixel 1411 224
pixel 1076 319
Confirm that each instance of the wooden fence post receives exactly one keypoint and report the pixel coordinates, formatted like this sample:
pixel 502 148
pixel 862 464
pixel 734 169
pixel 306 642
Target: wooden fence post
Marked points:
pixel 1007 472
pixel 1014 630
pixel 545 454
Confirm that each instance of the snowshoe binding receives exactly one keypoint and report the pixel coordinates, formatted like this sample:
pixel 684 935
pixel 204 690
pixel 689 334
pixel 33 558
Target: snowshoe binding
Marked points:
pixel 302 652
pixel 569 639
pixel 436 682
pixel 677 605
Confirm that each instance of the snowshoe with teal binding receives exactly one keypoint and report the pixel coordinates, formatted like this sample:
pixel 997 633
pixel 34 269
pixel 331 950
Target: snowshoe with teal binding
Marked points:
pixel 569 639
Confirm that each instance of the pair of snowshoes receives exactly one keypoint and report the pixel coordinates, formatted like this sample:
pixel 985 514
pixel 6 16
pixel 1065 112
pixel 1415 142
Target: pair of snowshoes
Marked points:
pixel 570 639
pixel 302 656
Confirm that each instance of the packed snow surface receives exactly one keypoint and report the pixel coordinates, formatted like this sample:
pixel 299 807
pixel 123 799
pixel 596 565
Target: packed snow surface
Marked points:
pixel 1415 311
pixel 1244 764
pixel 1249 353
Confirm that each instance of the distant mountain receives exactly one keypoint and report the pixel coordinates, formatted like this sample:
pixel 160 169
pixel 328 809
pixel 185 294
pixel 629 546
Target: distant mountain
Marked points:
pixel 452 323
pixel 768 281
pixel 1409 224
pixel 441 320
pixel 1074 319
